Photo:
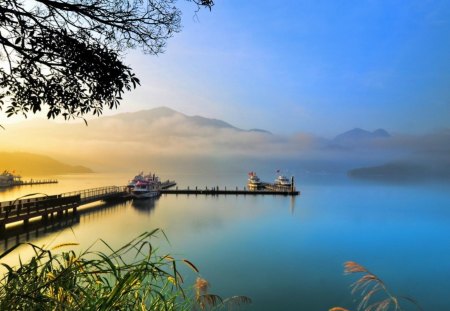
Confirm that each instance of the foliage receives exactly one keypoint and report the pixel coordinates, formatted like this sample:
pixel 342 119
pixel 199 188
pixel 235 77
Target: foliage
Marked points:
pixel 133 277
pixel 373 292
pixel 65 55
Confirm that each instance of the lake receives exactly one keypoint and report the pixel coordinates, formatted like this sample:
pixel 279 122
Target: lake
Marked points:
pixel 285 253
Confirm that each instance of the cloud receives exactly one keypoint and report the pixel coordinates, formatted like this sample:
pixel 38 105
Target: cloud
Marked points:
pixel 166 136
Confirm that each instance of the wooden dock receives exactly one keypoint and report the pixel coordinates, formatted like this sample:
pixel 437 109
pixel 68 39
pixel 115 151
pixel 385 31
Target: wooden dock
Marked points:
pixel 46 207
pixel 37 182
pixel 16 183
pixel 236 191
pixel 49 206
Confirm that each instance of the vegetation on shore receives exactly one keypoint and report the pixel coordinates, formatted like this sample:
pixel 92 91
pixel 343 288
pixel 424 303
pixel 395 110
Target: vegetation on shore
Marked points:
pixel 372 292
pixel 137 277
pixel 133 277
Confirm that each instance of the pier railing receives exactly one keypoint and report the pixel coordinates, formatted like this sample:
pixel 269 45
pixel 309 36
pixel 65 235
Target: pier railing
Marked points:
pixel 45 205
pixel 96 194
pixel 36 182
pixel 26 209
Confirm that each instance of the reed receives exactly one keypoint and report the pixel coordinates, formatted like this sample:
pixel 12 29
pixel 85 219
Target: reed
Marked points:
pixel 372 292
pixel 133 277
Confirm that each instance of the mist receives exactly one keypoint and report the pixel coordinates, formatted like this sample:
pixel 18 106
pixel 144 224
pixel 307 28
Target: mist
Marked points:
pixel 171 141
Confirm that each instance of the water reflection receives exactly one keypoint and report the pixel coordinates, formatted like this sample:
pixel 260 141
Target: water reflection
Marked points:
pixel 36 229
pixel 292 205
pixel 14 235
pixel 246 244
pixel 145 206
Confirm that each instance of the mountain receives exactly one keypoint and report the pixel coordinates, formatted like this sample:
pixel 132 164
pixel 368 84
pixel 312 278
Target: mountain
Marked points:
pixel 403 171
pixel 154 116
pixel 124 139
pixel 358 137
pixel 163 136
pixel 380 133
pixel 34 164
pixel 260 131
pixel 358 134
pixel 410 158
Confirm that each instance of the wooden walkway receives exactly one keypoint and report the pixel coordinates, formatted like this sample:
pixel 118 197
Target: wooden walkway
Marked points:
pixel 37 182
pixel 217 191
pixel 23 209
pixel 31 182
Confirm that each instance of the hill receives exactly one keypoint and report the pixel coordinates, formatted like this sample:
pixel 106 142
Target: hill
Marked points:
pixel 33 164
pixel 403 171
pixel 357 136
pixel 166 119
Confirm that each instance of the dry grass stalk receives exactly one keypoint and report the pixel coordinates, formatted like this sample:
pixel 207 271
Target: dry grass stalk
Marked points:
pixel 369 286
pixel 236 301
pixel 133 277
pixel 201 286
pixel 206 301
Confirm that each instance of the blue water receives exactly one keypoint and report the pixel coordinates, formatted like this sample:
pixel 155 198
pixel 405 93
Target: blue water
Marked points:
pixel 286 253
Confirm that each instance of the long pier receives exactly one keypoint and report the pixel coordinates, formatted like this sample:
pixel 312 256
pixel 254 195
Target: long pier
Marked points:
pixel 286 191
pixel 47 207
pixel 25 209
pixel 16 183
pixel 36 182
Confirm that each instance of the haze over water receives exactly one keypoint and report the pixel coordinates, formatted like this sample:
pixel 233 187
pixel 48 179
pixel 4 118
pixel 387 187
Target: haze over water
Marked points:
pixel 285 253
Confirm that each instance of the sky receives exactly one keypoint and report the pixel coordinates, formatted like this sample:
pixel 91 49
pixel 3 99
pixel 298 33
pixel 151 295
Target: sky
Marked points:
pixel 292 66
pixel 306 66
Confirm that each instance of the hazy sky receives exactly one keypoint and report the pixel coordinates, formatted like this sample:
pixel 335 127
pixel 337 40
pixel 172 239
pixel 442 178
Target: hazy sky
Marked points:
pixel 316 66
pixel 305 66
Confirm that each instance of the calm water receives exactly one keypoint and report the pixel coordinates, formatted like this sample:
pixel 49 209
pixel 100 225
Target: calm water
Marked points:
pixel 285 253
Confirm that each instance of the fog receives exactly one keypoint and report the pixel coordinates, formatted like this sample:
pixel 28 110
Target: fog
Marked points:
pixel 171 140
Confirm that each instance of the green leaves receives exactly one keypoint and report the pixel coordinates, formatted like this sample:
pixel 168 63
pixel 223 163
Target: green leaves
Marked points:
pixel 132 277
pixel 90 280
pixel 66 57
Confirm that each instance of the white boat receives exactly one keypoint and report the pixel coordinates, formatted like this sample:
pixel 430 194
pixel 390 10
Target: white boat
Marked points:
pixel 139 177
pixel 282 180
pixel 254 182
pixel 147 186
pixel 145 189
pixel 8 179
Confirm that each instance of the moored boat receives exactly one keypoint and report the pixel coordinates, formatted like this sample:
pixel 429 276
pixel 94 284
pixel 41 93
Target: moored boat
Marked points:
pixel 145 189
pixel 254 182
pixel 8 179
pixel 139 177
pixel 282 180
pixel 152 178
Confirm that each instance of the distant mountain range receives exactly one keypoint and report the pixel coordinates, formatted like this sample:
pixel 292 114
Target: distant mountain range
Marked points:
pixel 162 115
pixel 152 116
pixel 163 136
pixel 33 164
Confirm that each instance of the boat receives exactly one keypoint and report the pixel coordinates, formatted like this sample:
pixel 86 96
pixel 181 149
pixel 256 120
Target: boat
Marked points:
pixel 145 189
pixel 150 178
pixel 254 183
pixel 139 177
pixel 282 180
pixel 8 179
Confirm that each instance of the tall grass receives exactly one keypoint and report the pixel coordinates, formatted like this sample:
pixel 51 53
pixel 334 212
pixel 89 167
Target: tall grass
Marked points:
pixel 372 292
pixel 133 277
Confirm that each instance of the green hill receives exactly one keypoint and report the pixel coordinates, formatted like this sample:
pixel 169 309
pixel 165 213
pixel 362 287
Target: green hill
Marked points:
pixel 33 164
